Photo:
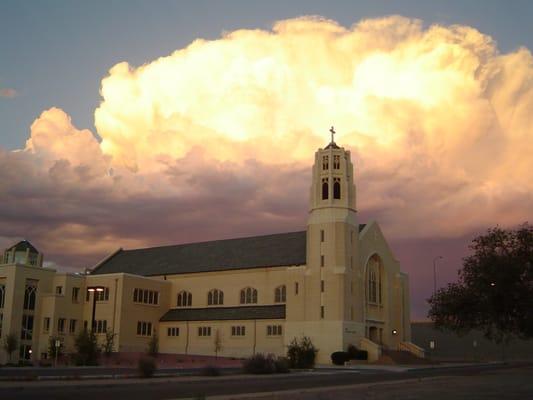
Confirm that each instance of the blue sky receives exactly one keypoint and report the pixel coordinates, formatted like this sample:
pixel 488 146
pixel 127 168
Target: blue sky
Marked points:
pixel 55 53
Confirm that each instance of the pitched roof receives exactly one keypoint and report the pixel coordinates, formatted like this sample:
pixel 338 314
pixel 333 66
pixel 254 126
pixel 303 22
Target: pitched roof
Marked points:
pixel 23 245
pixel 225 313
pixel 278 250
pixel 281 249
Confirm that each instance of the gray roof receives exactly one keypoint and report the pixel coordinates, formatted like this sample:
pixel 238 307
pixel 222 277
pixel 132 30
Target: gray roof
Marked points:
pixel 23 245
pixel 278 250
pixel 225 313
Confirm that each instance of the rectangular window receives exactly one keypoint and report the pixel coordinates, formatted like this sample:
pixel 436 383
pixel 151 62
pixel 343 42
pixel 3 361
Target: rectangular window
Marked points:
pixel 72 326
pixel 336 162
pixel 1 319
pixel 75 294
pixel 2 295
pixel 322 286
pixel 322 235
pixel 145 296
pixel 61 325
pixel 59 290
pixel 85 324
pixel 274 330
pixel 238 330
pixel 87 296
pixel 100 326
pixel 173 331
pixel 103 295
pixel 322 312
pixel 204 331
pixel 322 260
pixel 296 287
pixel 144 328
pixel 46 324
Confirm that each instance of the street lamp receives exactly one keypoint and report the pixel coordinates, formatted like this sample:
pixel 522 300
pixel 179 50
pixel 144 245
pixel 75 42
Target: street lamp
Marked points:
pixel 94 290
pixel 435 273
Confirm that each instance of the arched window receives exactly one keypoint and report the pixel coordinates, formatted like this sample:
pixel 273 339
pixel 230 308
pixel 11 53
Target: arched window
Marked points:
pixel 29 297
pixel 372 287
pixel 215 297
pixel 336 188
pixel 374 281
pixel 184 299
pixel 280 294
pixel 336 162
pixel 325 163
pixel 325 189
pixel 249 296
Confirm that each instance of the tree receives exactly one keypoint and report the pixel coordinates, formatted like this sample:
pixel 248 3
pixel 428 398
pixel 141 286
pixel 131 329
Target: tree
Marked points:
pixel 153 345
pixel 52 349
pixel 86 348
pixel 302 353
pixel 217 342
pixel 10 344
pixel 109 343
pixel 494 292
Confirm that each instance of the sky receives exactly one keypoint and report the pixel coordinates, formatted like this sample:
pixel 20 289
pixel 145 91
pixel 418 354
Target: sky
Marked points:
pixel 134 123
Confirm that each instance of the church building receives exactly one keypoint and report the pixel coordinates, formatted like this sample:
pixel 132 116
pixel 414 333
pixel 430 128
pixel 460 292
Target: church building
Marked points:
pixel 336 282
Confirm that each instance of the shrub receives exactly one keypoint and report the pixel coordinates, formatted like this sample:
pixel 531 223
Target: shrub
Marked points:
pixel 352 351
pixel 340 357
pixel 109 343
pixel 361 355
pixel 210 370
pixel 146 367
pixel 86 348
pixel 281 365
pixel 10 344
pixel 153 345
pixel 260 364
pixel 301 354
pixel 52 349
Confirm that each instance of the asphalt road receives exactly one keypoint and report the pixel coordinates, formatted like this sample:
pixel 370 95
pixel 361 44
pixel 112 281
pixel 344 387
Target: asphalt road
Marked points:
pixel 168 389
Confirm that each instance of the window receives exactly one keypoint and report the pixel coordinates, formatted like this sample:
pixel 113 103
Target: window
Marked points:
pixel 184 299
pixel 72 326
pixel 144 328
pixel 75 294
pixel 325 163
pixel 336 162
pixel 27 327
pixel 322 286
pixel 46 324
pixel 204 331
pixel 322 260
pixel 374 281
pixel 29 297
pixel 145 296
pixel 325 189
pixel 336 188
pixel 174 331
pixel 100 326
pixel 280 294
pixel 59 290
pixel 103 295
pixel 322 235
pixel 238 331
pixel 274 330
pixel 322 312
pixel 215 297
pixel 2 295
pixel 1 319
pixel 61 325
pixel 296 287
pixel 249 296
pixel 87 296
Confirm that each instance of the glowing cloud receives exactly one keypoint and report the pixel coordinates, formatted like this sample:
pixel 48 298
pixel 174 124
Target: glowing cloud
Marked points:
pixel 216 139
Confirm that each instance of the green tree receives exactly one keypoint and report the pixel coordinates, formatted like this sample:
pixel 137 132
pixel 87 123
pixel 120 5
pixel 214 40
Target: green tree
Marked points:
pixel 494 292
pixel 86 347
pixel 10 344
pixel 302 353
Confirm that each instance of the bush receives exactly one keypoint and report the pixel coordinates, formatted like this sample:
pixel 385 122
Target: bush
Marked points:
pixel 281 365
pixel 210 370
pixel 301 354
pixel 340 357
pixel 153 345
pixel 356 354
pixel 146 367
pixel 259 364
pixel 86 348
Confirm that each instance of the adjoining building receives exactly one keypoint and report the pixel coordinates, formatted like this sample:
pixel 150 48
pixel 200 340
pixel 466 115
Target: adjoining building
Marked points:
pixel 336 282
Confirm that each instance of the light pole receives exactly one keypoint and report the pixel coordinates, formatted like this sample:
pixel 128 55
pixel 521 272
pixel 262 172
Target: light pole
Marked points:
pixel 435 273
pixel 94 290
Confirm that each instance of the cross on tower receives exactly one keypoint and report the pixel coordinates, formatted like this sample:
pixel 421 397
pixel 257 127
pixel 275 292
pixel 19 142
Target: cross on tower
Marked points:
pixel 332 130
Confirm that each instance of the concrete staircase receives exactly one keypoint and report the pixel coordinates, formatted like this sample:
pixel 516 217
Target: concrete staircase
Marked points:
pixel 395 357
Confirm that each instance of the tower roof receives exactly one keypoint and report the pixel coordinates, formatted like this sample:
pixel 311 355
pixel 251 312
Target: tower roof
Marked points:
pixel 23 245
pixel 332 145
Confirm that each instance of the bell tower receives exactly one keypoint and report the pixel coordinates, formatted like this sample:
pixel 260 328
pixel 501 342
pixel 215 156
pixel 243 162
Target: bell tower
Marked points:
pixel 332 249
